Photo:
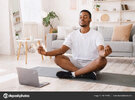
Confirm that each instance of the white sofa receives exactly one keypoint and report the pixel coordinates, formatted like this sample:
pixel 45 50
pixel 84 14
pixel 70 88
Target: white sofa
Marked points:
pixel 119 48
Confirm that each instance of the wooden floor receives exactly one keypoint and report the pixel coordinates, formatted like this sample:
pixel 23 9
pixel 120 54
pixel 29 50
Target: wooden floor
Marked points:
pixel 9 79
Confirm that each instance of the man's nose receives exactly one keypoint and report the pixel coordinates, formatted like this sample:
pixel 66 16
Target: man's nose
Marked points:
pixel 82 19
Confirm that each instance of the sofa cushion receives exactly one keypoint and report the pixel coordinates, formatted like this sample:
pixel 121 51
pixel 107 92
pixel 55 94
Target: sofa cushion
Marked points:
pixel 106 32
pixel 116 46
pixel 63 31
pixel 121 46
pixel 57 44
pixel 122 32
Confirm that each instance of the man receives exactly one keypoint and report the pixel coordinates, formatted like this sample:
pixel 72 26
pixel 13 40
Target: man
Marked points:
pixel 88 51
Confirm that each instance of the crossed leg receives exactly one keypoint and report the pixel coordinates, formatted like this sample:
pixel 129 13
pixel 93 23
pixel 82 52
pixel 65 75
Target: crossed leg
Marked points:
pixel 65 63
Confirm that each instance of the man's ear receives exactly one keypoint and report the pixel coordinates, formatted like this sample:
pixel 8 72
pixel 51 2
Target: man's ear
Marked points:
pixel 90 20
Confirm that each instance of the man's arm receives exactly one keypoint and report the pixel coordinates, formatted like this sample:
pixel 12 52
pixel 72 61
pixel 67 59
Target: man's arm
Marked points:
pixel 55 52
pixel 103 52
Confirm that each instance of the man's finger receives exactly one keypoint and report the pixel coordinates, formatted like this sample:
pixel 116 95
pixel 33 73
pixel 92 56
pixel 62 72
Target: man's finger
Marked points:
pixel 110 48
pixel 106 52
pixel 39 51
pixel 40 48
pixel 107 46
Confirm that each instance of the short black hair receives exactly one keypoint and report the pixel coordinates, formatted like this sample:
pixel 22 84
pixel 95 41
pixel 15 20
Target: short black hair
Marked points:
pixel 87 12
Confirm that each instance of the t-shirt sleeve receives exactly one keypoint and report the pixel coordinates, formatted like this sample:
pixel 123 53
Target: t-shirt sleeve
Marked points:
pixel 100 40
pixel 68 41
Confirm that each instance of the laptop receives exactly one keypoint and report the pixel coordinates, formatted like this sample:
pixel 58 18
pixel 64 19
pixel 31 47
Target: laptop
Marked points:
pixel 29 77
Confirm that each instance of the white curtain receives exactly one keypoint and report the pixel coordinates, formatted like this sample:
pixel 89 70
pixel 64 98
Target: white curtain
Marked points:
pixel 31 11
pixel 30 30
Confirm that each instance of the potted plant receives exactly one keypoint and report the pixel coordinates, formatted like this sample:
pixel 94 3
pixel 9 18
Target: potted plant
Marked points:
pixel 97 7
pixel 17 36
pixel 47 21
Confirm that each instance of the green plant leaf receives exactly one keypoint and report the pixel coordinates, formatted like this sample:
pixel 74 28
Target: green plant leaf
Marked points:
pixel 51 15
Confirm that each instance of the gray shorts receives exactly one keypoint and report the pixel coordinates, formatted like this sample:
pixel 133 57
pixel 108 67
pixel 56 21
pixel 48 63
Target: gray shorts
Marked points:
pixel 79 63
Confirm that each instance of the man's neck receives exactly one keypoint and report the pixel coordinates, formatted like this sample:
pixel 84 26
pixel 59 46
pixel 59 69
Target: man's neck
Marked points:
pixel 84 29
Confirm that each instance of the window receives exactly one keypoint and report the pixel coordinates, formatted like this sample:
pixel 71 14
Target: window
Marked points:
pixel 31 10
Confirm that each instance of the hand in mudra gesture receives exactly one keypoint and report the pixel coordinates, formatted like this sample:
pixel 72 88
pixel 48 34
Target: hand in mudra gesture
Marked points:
pixel 107 50
pixel 41 50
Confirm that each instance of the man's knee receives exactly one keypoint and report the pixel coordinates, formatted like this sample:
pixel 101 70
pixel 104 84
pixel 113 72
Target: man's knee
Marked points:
pixel 102 62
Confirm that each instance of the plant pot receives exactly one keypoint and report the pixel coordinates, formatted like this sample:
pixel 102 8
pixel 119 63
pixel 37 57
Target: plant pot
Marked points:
pixel 97 9
pixel 53 30
pixel 17 37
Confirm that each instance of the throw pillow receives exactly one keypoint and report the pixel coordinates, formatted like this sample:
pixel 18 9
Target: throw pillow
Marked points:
pixel 121 33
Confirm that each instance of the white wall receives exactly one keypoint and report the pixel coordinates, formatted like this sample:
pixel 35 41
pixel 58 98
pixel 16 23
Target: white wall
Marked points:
pixel 4 28
pixel 45 5
pixel 31 10
pixel 68 17
pixel 14 5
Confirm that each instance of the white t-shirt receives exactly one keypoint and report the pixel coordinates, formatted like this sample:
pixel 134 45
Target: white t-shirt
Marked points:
pixel 84 46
